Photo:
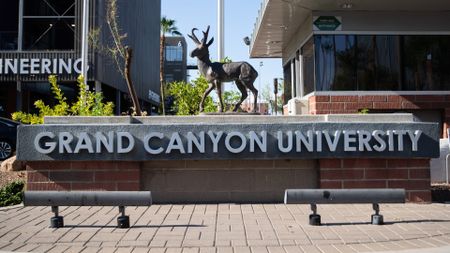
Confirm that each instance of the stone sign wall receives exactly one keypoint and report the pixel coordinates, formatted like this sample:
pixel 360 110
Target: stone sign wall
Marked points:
pixel 230 159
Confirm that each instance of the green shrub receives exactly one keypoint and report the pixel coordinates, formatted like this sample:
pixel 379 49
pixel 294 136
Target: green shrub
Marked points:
pixel 187 97
pixel 12 194
pixel 88 104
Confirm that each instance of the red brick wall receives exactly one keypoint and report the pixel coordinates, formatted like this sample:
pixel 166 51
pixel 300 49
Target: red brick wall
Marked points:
pixel 108 176
pixel 411 174
pixel 335 104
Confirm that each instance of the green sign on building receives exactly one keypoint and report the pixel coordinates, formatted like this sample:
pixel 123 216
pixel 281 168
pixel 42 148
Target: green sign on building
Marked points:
pixel 327 23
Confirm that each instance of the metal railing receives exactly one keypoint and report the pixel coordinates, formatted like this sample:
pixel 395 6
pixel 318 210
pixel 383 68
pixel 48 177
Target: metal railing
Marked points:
pixel 258 21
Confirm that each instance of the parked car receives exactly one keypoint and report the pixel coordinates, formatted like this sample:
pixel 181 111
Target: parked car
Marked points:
pixel 8 136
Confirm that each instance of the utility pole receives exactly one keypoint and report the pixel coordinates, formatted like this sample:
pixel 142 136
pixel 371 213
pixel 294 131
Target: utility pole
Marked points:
pixel 220 33
pixel 220 29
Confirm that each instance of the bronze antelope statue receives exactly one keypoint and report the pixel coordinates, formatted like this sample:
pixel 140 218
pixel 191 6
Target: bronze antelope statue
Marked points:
pixel 242 73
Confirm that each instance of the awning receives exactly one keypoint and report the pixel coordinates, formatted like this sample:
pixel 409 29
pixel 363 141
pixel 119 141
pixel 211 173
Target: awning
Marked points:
pixel 279 20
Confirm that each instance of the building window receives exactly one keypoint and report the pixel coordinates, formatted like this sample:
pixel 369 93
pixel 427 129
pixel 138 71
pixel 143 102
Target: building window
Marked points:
pixel 378 62
pixel 426 62
pixel 174 53
pixel 9 13
pixel 287 93
pixel 49 8
pixel 169 78
pixel 308 66
pixel 49 25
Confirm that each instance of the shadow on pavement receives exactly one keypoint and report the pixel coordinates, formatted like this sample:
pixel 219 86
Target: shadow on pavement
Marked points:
pixel 386 223
pixel 136 226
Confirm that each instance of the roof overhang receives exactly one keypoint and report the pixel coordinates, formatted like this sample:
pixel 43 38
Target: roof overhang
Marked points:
pixel 279 20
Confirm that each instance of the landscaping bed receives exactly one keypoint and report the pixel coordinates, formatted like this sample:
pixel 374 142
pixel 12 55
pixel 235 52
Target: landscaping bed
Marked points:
pixel 440 192
pixel 7 177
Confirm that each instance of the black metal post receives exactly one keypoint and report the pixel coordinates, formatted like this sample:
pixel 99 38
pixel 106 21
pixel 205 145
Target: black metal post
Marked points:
pixel 314 218
pixel 275 91
pixel 56 221
pixel 377 218
pixel 123 221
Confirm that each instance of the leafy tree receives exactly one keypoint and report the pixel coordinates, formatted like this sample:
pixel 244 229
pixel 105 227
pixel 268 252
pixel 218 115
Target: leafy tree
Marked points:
pixel 167 27
pixel 187 96
pixel 230 98
pixel 88 104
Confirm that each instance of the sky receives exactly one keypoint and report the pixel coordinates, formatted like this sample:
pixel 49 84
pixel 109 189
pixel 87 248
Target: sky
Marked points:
pixel 240 18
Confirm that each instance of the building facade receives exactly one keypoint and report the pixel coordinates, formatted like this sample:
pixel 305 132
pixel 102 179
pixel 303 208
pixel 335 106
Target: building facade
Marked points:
pixel 39 38
pixel 175 64
pixel 360 56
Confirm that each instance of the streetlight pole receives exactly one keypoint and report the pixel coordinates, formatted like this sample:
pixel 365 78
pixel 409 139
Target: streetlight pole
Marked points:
pixel 275 91
pixel 84 40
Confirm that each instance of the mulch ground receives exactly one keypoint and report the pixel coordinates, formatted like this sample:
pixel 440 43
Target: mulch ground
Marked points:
pixel 11 176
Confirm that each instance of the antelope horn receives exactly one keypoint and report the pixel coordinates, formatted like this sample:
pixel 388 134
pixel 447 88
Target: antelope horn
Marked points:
pixel 205 35
pixel 193 37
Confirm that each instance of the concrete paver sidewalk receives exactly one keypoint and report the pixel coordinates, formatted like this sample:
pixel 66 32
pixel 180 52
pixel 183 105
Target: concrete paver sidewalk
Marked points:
pixel 233 228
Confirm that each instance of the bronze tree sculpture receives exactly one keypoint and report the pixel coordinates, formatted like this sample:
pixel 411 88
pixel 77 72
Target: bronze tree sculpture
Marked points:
pixel 242 73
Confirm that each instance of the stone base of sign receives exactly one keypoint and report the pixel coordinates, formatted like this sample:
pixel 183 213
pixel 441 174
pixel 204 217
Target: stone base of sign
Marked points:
pixel 235 181
pixel 219 179
pixel 413 175
pixel 73 176
pixel 232 180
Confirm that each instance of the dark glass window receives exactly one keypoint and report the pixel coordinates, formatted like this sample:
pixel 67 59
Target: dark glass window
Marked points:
pixel 349 62
pixel 287 93
pixel 377 62
pixel 336 62
pixel 48 34
pixel 426 61
pixel 49 25
pixel 345 69
pixel 9 13
pixel 308 66
pixel 49 8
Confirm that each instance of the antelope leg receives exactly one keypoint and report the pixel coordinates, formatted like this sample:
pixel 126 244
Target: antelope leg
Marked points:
pixel 244 94
pixel 219 94
pixel 255 95
pixel 208 90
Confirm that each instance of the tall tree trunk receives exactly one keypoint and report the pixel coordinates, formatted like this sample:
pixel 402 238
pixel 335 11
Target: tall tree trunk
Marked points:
pixel 134 98
pixel 161 72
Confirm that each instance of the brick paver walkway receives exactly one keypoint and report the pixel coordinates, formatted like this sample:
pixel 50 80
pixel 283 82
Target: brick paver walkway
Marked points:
pixel 227 228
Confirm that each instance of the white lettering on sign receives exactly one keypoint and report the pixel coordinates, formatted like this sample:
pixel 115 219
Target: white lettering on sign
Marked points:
pixel 147 139
pixel 121 136
pixel 158 143
pixel 25 66
pixel 198 142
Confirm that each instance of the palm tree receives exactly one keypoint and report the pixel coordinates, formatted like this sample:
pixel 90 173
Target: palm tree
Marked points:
pixel 167 27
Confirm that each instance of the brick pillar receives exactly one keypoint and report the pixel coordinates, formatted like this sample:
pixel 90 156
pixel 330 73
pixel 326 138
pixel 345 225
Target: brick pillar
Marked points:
pixel 413 175
pixel 61 176
pixel 446 122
